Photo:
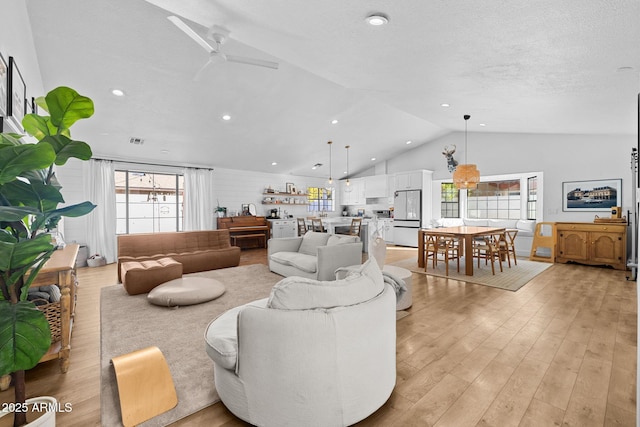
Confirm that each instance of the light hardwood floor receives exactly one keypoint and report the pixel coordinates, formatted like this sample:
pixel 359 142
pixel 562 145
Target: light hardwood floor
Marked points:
pixel 560 351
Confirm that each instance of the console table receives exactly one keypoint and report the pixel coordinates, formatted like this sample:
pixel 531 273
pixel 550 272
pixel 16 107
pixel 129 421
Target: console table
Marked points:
pixel 60 270
pixel 592 243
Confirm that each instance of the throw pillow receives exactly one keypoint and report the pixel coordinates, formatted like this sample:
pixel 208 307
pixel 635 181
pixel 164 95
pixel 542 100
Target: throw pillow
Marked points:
pixel 336 239
pixel 297 293
pixel 311 241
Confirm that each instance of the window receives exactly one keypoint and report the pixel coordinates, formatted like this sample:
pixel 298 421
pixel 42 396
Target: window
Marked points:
pixel 320 199
pixel 495 199
pixel 449 200
pixel 532 196
pixel 148 202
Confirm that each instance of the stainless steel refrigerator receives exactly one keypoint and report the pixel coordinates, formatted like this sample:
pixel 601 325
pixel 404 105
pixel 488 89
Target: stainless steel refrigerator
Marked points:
pixel 407 214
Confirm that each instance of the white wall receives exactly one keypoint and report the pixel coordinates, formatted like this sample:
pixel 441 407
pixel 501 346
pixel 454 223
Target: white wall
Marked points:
pixel 560 157
pixel 16 40
pixel 233 188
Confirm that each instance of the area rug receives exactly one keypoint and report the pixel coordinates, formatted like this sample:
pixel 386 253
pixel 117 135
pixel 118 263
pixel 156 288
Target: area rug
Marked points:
pixel 510 279
pixel 129 323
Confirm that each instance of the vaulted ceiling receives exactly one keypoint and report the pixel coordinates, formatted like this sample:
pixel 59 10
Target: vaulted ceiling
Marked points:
pixel 538 66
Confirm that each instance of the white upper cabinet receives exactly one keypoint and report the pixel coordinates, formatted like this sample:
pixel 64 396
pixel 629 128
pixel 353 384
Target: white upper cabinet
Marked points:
pixel 409 180
pixel 354 193
pixel 376 186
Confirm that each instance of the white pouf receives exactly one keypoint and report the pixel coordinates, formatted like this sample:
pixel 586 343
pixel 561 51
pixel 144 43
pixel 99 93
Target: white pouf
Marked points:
pixel 185 291
pixel 404 274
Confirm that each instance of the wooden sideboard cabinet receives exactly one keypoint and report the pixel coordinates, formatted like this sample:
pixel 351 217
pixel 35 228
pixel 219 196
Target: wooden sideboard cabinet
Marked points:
pixel 60 270
pixel 592 244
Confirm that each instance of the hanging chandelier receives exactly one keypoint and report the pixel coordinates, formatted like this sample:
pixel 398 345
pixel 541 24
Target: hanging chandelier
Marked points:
pixel 467 175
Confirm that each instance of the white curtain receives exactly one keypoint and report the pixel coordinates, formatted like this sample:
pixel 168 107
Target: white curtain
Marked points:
pixel 198 199
pixel 101 223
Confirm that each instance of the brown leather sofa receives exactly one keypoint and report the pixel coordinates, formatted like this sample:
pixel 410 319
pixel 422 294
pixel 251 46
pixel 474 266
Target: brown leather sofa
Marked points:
pixel 195 250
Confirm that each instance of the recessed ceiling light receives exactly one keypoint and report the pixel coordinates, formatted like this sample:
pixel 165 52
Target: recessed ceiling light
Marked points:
pixel 373 159
pixel 445 105
pixel 164 151
pixel 377 19
pixel 274 163
pixel 117 92
pixel 334 121
pixel 345 172
pixel 226 117
pixel 408 142
pixel 482 124
pixel 624 69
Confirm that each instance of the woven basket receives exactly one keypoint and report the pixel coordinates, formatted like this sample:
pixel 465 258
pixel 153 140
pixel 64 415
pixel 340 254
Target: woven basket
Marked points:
pixel 52 311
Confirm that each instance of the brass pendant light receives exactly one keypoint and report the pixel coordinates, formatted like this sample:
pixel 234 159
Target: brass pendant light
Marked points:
pixel 330 181
pixel 467 175
pixel 347 183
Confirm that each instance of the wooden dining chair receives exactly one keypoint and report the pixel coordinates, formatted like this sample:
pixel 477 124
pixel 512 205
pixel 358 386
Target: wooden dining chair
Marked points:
pixel 489 250
pixel 356 225
pixel 316 225
pixel 302 226
pixel 511 244
pixel 447 247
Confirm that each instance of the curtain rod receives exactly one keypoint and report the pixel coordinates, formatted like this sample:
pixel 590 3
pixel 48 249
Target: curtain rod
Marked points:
pixel 148 164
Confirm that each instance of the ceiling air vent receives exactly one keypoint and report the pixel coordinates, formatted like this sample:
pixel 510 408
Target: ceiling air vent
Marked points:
pixel 136 141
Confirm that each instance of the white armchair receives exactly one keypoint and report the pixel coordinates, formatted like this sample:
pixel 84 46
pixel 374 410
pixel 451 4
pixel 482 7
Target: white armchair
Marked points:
pixel 314 255
pixel 314 354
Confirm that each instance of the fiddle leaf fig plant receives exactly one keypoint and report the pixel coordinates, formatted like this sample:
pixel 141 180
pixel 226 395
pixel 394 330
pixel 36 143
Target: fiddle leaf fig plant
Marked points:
pixel 29 199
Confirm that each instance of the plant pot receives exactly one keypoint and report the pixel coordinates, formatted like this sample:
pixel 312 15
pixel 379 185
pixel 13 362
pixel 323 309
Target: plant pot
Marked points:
pixel 47 417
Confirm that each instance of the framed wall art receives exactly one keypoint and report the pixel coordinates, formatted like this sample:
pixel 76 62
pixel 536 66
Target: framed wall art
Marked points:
pixel 17 99
pixel 594 195
pixel 4 83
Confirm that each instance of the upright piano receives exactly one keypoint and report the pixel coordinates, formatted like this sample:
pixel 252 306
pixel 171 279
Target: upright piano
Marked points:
pixel 246 231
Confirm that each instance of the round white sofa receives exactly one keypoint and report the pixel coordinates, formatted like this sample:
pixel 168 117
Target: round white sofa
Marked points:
pixel 313 354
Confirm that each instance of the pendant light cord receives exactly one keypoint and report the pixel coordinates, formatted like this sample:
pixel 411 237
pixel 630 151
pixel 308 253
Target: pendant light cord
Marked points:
pixel 466 119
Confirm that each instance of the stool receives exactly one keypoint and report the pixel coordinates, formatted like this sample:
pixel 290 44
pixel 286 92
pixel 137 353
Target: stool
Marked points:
pixel 145 386
pixel 404 274
pixel 140 277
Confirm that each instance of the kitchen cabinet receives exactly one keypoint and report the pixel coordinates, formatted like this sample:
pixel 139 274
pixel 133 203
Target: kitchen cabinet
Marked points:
pixel 355 194
pixel 592 244
pixel 283 228
pixel 409 180
pixel 376 186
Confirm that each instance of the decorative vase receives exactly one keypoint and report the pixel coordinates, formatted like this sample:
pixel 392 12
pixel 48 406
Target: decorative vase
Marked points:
pixel 378 250
pixel 47 406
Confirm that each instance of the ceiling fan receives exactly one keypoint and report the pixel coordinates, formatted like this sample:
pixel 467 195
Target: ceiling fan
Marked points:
pixel 219 35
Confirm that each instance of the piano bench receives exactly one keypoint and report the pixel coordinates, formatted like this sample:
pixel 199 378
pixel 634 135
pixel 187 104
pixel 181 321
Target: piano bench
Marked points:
pixel 260 237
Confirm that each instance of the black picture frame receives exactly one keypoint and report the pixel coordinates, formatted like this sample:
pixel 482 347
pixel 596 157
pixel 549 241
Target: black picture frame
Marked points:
pixel 4 85
pixel 591 195
pixel 17 94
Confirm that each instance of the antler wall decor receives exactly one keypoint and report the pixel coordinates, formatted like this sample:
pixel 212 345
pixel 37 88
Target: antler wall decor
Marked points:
pixel 451 162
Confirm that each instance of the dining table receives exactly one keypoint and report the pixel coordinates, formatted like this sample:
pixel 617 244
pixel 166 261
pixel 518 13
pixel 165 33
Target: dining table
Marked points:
pixel 464 233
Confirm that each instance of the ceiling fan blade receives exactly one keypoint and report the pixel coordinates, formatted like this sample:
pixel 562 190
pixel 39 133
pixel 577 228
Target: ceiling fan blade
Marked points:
pixel 188 31
pixel 252 61
pixel 199 73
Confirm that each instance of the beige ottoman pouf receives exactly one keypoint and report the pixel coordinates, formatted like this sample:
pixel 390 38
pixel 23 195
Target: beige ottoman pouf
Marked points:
pixel 186 291
pixel 141 277
pixel 404 274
